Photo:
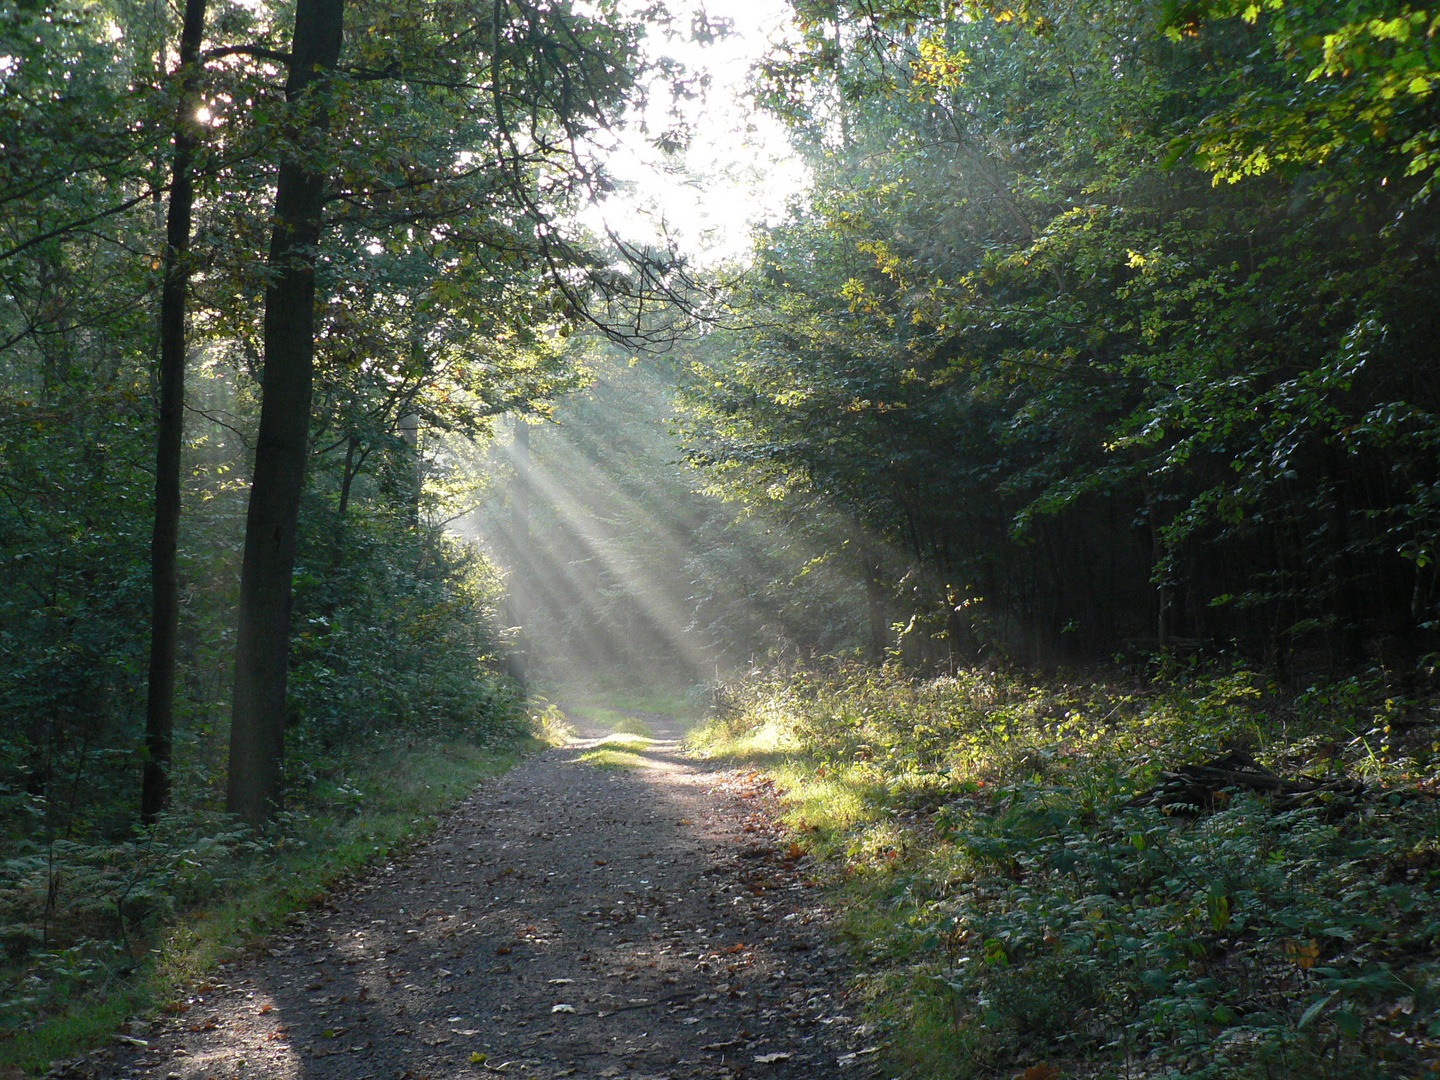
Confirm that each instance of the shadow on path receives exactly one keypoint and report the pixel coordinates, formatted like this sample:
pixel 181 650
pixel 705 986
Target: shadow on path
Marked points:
pixel 566 920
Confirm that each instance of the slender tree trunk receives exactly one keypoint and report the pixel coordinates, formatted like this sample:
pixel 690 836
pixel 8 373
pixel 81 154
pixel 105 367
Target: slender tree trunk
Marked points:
pixel 347 478
pixel 257 726
pixel 409 424
pixel 520 508
pixel 164 579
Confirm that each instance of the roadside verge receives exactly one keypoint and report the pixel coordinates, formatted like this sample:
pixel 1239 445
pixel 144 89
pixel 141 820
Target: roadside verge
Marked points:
pixel 196 892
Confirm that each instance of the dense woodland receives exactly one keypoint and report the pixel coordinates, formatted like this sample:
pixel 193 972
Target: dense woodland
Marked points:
pixel 1116 320
pixel 1104 328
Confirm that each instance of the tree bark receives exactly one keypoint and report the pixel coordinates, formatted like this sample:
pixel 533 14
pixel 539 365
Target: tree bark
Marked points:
pixel 352 469
pixel 257 727
pixel 409 425
pixel 174 294
pixel 520 508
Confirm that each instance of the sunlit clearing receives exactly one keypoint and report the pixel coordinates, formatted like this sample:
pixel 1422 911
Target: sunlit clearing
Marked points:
pixel 627 585
pixel 596 561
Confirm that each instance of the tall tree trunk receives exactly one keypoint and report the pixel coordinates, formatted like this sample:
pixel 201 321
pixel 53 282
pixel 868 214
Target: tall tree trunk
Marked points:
pixel 257 726
pixel 409 424
pixel 520 508
pixel 164 580
pixel 352 469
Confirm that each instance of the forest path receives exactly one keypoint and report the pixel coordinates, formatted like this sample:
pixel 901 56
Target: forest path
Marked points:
pixel 611 908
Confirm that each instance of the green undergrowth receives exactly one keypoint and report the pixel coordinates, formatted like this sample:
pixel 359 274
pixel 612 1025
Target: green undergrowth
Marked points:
pixel 132 924
pixel 1014 916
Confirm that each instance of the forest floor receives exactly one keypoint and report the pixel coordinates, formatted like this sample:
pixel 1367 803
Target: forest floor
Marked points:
pixel 610 908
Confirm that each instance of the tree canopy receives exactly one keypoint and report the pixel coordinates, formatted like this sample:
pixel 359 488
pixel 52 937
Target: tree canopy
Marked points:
pixel 1115 318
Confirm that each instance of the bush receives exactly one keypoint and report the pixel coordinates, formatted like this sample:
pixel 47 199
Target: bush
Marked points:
pixel 1015 910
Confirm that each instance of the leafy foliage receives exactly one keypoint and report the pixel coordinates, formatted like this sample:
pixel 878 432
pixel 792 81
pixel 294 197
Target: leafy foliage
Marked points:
pixel 1091 395
pixel 448 285
pixel 1014 909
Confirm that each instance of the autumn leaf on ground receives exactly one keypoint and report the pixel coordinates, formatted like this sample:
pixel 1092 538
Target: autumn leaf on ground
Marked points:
pixel 1043 1071
pixel 1303 953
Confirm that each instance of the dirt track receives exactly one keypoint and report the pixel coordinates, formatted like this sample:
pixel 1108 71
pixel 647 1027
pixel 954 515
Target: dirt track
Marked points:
pixel 565 920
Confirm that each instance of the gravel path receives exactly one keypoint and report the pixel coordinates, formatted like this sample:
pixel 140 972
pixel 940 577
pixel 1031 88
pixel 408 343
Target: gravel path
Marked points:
pixel 565 921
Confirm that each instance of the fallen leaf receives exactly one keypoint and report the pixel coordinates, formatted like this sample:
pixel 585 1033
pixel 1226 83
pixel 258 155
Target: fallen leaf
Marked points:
pixel 477 1058
pixel 1043 1071
pixel 559 982
pixel 503 950
pixel 794 852
pixel 1304 954
pixel 266 1008
pixel 562 1008
pixel 766 1059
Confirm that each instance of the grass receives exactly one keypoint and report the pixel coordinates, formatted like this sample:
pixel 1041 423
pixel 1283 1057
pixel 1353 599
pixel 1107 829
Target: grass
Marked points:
pixel 616 720
pixel 619 751
pixel 212 897
pixel 623 705
pixel 1012 914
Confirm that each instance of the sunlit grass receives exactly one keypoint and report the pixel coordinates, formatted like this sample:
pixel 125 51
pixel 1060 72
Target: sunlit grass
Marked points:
pixel 622 750
pixel 549 725
pixel 619 751
pixel 615 719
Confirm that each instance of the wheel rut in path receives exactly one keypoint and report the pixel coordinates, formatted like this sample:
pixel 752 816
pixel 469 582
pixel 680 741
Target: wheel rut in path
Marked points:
pixel 564 921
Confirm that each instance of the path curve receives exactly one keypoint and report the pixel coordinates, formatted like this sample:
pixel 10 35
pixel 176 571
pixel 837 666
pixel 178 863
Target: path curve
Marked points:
pixel 566 920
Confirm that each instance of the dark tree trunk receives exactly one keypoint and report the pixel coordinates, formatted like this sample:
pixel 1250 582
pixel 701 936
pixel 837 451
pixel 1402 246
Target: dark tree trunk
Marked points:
pixel 164 580
pixel 257 727
pixel 354 458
